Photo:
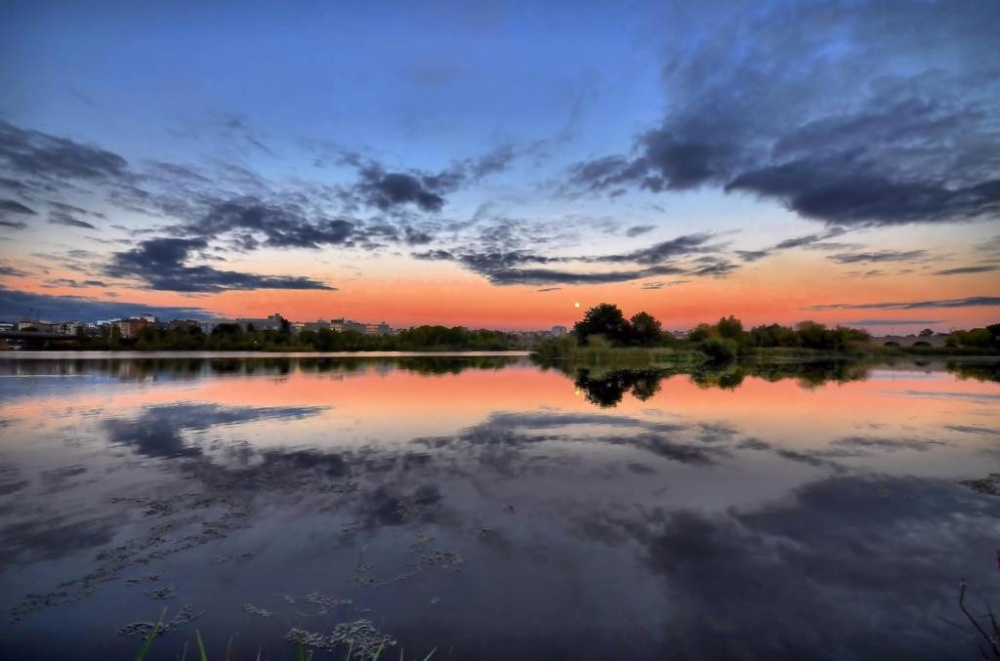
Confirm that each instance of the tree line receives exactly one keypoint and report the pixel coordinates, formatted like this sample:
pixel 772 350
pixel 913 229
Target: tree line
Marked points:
pixel 232 337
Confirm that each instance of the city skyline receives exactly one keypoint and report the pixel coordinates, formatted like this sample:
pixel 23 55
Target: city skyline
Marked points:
pixel 503 165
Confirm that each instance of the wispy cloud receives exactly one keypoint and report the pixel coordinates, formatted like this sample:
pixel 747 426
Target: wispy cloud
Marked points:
pixel 974 301
pixel 966 270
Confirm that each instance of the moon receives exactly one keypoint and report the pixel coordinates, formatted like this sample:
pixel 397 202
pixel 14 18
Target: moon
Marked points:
pixel 576 304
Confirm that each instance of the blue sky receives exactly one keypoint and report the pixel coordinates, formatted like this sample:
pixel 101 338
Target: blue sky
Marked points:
pixel 204 154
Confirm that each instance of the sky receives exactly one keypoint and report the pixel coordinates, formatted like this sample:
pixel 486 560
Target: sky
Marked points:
pixel 494 164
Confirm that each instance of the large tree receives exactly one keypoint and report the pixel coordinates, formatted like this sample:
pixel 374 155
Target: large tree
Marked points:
pixel 646 329
pixel 604 319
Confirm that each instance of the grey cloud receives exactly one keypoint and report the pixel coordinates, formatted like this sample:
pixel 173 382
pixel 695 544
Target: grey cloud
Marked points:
pixel 61 218
pixel 12 271
pixel 13 303
pixel 663 285
pixel 895 322
pixel 878 257
pixel 69 208
pixel 39 154
pixel 759 103
pixel 386 190
pixel 681 246
pixel 283 226
pixel 14 225
pixel 12 206
pixel 809 240
pixel 73 284
pixel 160 263
pixel 964 270
pixel 540 276
pixel 752 255
pixel 975 301
pixel 638 230
pixel 509 267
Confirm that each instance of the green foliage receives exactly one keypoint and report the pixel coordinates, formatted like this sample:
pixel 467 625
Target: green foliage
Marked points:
pixel 719 350
pixel 730 328
pixel 978 338
pixel 646 330
pixel 607 321
pixel 231 337
pixel 604 319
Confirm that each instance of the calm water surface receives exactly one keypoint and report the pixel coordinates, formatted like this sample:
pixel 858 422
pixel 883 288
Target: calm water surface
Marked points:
pixel 492 510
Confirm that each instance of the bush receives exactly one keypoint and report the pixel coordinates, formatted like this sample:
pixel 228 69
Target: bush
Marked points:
pixel 719 350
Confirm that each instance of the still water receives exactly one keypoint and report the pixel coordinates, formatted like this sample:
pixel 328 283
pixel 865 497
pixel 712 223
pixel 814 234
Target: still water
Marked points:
pixel 485 508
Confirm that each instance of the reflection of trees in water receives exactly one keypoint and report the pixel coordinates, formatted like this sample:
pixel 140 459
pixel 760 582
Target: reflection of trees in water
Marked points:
pixel 180 368
pixel 978 371
pixel 606 388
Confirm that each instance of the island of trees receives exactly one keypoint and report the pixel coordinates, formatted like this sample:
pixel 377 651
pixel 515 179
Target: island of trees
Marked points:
pixel 605 333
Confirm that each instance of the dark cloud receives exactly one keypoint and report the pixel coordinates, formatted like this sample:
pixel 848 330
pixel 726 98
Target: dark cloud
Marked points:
pixel 682 246
pixel 752 255
pixel 638 230
pixel 975 301
pixel 809 240
pixel 663 285
pixel 964 270
pixel 62 218
pixel 11 271
pixel 386 190
pixel 878 257
pixel 509 267
pixel 895 322
pixel 11 206
pixel 13 225
pixel 541 276
pixel 73 284
pixel 15 304
pixel 874 114
pixel 69 208
pixel 282 226
pixel 161 264
pixel 33 153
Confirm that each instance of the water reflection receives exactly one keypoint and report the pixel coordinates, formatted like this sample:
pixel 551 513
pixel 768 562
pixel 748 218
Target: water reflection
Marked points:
pixel 168 366
pixel 497 511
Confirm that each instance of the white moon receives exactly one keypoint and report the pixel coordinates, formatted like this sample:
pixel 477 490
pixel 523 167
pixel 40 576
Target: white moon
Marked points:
pixel 576 304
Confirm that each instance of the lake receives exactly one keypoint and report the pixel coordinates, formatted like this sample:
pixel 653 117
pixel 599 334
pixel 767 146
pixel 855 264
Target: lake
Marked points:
pixel 485 508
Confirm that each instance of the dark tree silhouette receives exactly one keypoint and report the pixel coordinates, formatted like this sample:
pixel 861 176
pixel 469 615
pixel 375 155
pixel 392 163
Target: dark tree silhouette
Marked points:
pixel 604 319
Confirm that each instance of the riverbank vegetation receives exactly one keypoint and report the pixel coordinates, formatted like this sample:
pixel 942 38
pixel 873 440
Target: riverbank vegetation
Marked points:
pixel 233 337
pixel 605 336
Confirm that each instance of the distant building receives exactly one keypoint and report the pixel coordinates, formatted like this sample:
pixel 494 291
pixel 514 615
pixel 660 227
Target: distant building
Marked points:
pixel 377 329
pixel 246 324
pixel 558 330
pixel 343 325
pixel 129 328
pixel 315 326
